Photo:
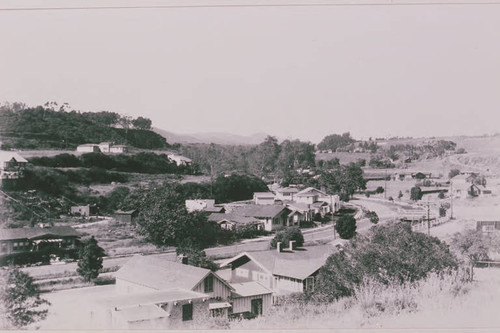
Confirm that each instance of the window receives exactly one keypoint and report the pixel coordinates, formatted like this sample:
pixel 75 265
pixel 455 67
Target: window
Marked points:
pixel 308 284
pixel 209 283
pixel 16 244
pixel 187 312
pixel 3 247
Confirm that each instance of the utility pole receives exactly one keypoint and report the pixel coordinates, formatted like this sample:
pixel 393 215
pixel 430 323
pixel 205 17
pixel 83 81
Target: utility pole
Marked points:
pixel 332 209
pixel 428 219
pixel 451 199
pixel 385 185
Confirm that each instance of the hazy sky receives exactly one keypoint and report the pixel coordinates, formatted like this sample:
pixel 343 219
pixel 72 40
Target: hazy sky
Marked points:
pixel 301 72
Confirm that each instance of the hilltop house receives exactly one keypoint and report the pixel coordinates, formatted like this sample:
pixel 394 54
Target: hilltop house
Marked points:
pixel 12 165
pixel 88 148
pixel 180 160
pixel 282 271
pixel 86 210
pixel 118 149
pixel 173 293
pixel 37 239
pixel 105 147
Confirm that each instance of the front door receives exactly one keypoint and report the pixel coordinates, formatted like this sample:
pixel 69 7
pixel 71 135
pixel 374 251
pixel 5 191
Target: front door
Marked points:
pixel 257 306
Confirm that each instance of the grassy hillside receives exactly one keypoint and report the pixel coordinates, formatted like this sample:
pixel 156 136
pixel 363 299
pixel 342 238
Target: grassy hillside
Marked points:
pixel 35 128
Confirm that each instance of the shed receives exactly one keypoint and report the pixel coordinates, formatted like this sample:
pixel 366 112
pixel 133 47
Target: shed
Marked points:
pixel 127 216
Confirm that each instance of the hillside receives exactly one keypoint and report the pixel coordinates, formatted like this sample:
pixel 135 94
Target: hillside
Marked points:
pixel 212 137
pixel 39 127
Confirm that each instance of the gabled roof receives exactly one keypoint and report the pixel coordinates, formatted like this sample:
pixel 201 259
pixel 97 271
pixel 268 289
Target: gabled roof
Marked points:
pixel 29 233
pixel 7 156
pixel 89 145
pixel 161 274
pixel 310 191
pixel 219 217
pixel 252 288
pixel 297 205
pixel 262 211
pixel 298 264
pixel 125 212
pixel 287 190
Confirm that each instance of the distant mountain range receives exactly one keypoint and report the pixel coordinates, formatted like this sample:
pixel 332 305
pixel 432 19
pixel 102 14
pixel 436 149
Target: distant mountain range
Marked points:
pixel 212 137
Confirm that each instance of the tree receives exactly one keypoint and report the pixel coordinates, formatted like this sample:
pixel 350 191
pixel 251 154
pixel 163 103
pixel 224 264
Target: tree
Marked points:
pixel 287 235
pixel 346 226
pixel 336 141
pixel 453 173
pixel 344 180
pixel 372 216
pixel 441 195
pixel 400 195
pixel 142 123
pixel 379 189
pixel 237 187
pixel 416 193
pixel 472 247
pixel 20 298
pixel 90 260
pixel 390 253
pixel 195 256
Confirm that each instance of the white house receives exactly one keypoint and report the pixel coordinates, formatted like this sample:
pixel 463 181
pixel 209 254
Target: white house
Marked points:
pixel 272 216
pixel 205 205
pixel 286 193
pixel 263 198
pixel 180 160
pixel 88 148
pixel 282 272
pixel 12 165
pixel 118 149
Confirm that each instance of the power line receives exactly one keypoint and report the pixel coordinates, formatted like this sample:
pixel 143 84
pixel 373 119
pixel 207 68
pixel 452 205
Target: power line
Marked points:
pixel 387 4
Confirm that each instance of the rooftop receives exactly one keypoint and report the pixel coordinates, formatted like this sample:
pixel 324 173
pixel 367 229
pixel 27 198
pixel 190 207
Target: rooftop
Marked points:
pixel 310 191
pixel 9 155
pixel 263 211
pixel 30 233
pixel 264 194
pixel 142 312
pixel 297 264
pixel 217 217
pixel 252 288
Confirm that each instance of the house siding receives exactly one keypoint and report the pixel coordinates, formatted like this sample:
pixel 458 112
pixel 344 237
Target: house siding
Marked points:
pixel 243 304
pixel 285 285
pixel 220 289
pixel 252 272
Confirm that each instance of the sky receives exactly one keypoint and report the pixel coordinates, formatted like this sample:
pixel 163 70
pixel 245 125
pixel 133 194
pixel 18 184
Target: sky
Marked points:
pixel 293 72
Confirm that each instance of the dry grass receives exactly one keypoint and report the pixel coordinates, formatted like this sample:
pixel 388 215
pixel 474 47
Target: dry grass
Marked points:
pixel 372 304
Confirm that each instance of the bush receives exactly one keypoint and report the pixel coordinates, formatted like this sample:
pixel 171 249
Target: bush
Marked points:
pixel 372 216
pixel 388 254
pixel 346 226
pixel 416 193
pixel 287 235
pixel 379 190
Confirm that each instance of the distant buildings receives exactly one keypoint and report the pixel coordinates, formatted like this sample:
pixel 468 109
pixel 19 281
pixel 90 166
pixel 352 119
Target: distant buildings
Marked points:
pixel 12 165
pixel 103 147
pixel 180 160
pixel 85 211
pixel 203 205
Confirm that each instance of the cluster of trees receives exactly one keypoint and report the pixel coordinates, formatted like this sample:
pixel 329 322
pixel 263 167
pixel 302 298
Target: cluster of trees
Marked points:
pixel 389 254
pixel 429 150
pixel 335 142
pixel 266 159
pixel 150 163
pixel 344 180
pixel 287 235
pixel 51 126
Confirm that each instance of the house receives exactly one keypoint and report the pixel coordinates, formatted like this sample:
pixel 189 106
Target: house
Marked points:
pixel 309 195
pixel 421 175
pixel 88 148
pixel 126 216
pixel 204 205
pixel 286 193
pixel 282 272
pixel 12 165
pixel 37 239
pixel 180 160
pixel 182 292
pixel 105 147
pixel 263 198
pixel 487 227
pixel 118 149
pixel 304 209
pixel 87 210
pixel 465 190
pixel 230 221
pixel 272 216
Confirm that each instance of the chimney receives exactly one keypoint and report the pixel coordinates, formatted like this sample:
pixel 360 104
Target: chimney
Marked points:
pixel 183 259
pixel 278 246
pixel 291 245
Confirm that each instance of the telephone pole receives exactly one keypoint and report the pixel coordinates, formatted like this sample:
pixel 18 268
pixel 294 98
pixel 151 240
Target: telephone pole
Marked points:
pixel 428 219
pixel 451 200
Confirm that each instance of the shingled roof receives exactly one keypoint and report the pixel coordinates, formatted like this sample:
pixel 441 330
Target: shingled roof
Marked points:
pixel 298 264
pixel 161 274
pixel 262 211
pixel 30 233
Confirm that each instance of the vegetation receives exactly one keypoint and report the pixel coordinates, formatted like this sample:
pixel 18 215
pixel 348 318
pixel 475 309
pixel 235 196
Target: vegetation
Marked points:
pixel 90 260
pixel 416 193
pixel 49 127
pixel 335 141
pixel 472 247
pixel 237 187
pixel 372 216
pixel 287 235
pixel 344 180
pixel 196 257
pixel 388 254
pixel 21 303
pixel 346 226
